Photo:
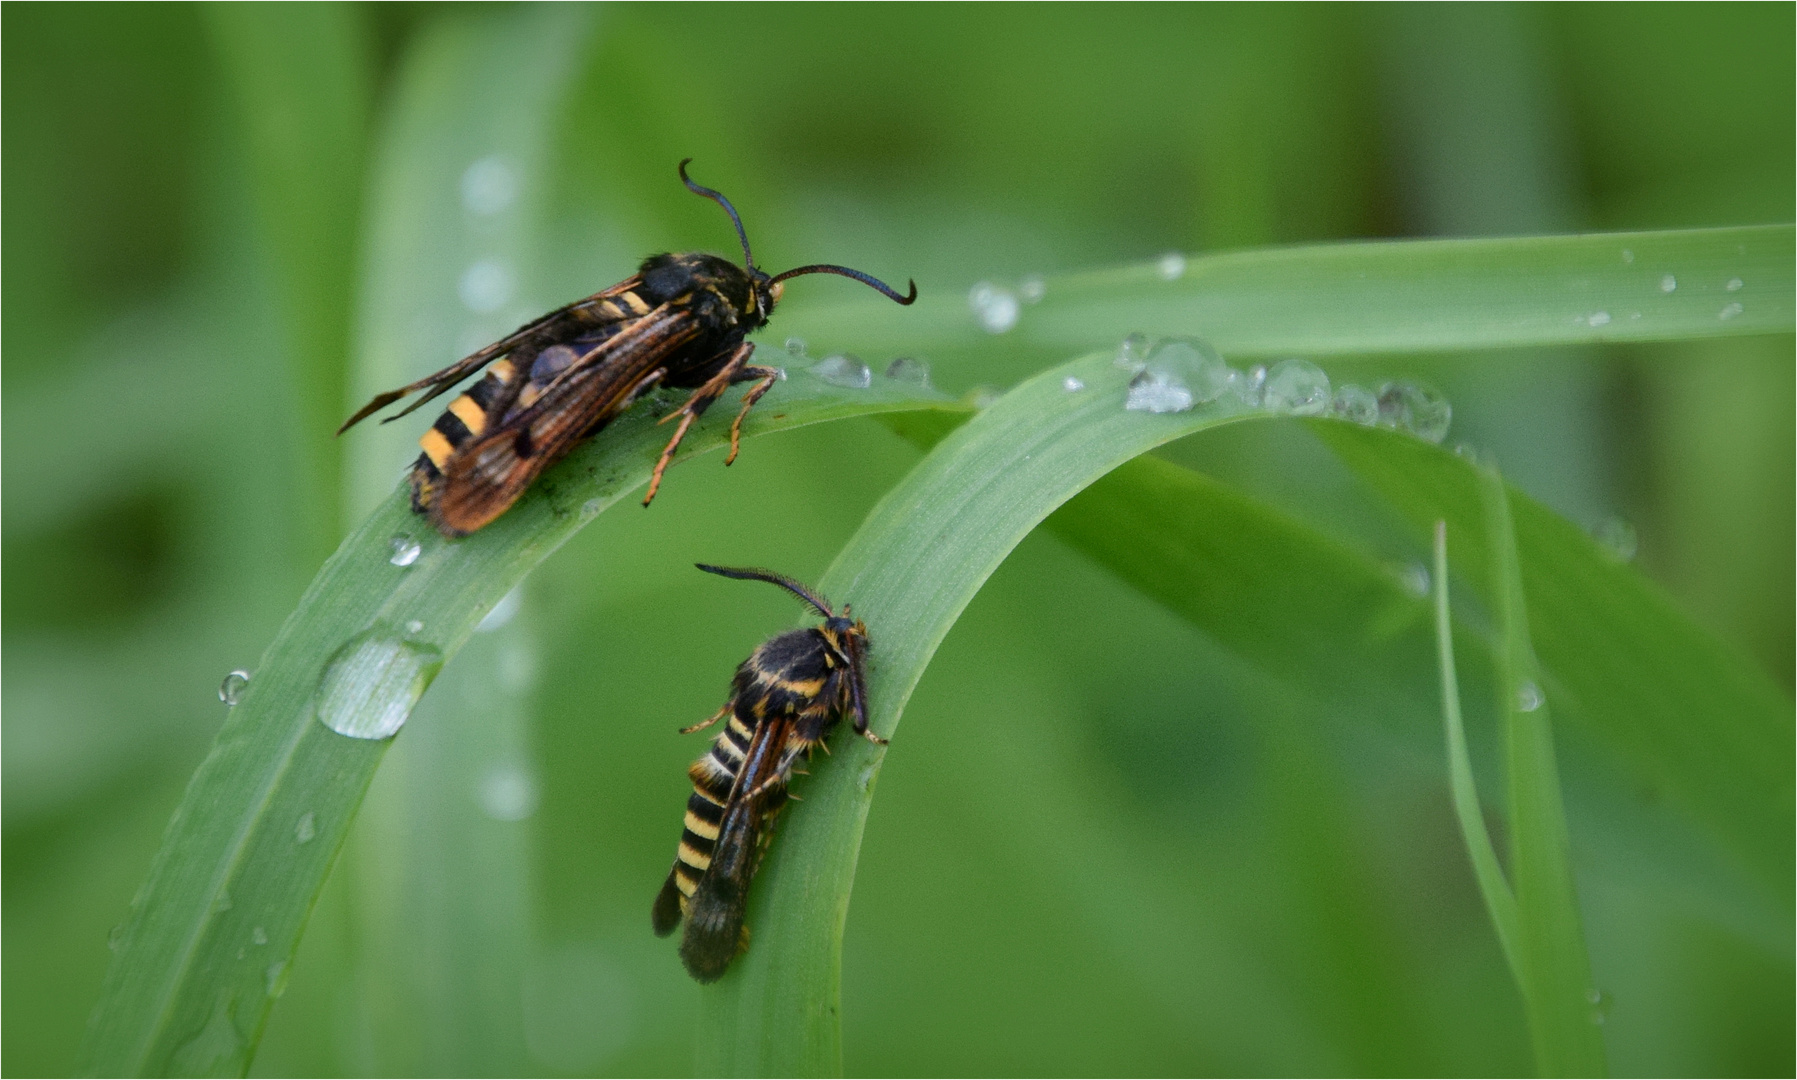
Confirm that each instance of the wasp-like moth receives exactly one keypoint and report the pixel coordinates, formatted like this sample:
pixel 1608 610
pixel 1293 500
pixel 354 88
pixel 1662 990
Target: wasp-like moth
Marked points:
pixel 553 383
pixel 784 700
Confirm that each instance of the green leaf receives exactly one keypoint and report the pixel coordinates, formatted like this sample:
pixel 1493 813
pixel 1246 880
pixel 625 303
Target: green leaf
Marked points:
pixel 1549 942
pixel 1694 722
pixel 1407 296
pixel 211 933
pixel 909 571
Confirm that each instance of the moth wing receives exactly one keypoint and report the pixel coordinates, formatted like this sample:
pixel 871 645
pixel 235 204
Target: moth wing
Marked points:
pixel 569 320
pixel 714 915
pixel 487 474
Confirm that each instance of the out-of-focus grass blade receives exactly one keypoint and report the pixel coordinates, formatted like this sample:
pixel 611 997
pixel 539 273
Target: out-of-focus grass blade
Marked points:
pixel 438 870
pixel 1500 902
pixel 300 78
pixel 909 571
pixel 210 935
pixel 1695 722
pixel 1408 296
pixel 1550 937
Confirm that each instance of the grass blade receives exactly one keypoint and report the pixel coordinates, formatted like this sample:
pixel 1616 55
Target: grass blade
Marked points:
pixel 1550 939
pixel 1500 902
pixel 210 934
pixel 910 570
pixel 1407 296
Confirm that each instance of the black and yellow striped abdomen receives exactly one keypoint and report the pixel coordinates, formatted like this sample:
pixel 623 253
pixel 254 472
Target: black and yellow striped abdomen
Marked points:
pixel 714 777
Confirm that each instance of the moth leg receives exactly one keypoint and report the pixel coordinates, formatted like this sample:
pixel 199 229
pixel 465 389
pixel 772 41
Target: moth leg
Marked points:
pixel 703 724
pixel 694 408
pixel 867 733
pixel 769 376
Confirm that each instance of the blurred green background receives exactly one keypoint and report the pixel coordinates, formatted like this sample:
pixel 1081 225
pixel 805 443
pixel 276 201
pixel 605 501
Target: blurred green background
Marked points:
pixel 1104 844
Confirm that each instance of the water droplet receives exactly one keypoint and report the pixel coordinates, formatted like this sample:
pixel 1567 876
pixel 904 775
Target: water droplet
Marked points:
pixel 486 286
pixel 1133 352
pixel 1734 284
pixel 982 397
pixel 231 690
pixel 1528 697
pixel 1072 385
pixel 1414 577
pixel 508 793
pixel 1668 283
pixel 1355 403
pixel 502 612
pixel 1466 450
pixel 844 369
pixel 1298 387
pixel 413 626
pixel 995 308
pixel 489 186
pixel 1176 374
pixel 405 550
pixel 1627 256
pixel 1418 409
pixel 276 978
pixel 218 1049
pixel 1598 318
pixel 1172 266
pixel 259 936
pixel 591 509
pixel 1617 537
pixel 1032 289
pixel 1730 311
pixel 1250 385
pixel 368 688
pixel 1599 1003
pixel 796 346
pixel 306 828
pixel 909 369
pixel 115 937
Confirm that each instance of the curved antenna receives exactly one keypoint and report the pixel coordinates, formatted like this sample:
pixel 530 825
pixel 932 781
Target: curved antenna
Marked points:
pixel 717 197
pixel 747 573
pixel 865 279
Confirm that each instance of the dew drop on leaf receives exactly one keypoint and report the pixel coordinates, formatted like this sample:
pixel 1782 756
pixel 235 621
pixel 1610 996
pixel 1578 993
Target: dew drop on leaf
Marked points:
pixel 1297 387
pixel 1528 697
pixel 844 369
pixel 405 550
pixel 370 685
pixel 231 690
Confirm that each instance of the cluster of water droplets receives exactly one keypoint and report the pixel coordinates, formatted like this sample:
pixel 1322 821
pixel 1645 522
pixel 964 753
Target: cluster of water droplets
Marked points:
pixel 849 370
pixel 1175 374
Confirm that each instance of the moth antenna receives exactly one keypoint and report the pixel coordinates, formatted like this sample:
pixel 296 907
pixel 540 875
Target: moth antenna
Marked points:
pixel 865 279
pixel 718 197
pixel 748 573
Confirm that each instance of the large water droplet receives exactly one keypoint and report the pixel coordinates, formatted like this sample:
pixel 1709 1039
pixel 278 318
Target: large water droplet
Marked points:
pixel 1297 387
pixel 1176 374
pixel 486 286
pixel 1073 384
pixel 995 309
pixel 1250 385
pixel 508 793
pixel 909 369
pixel 1172 266
pixel 405 550
pixel 369 687
pixel 1668 283
pixel 1735 284
pixel 1529 697
pixel 1729 311
pixel 305 828
pixel 489 186
pixel 844 369
pixel 1418 409
pixel 1132 353
pixel 1617 537
pixel 1032 289
pixel 502 612
pixel 1355 403
pixel 218 1049
pixel 231 690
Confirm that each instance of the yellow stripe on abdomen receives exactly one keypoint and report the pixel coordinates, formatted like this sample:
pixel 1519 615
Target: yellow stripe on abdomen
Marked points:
pixel 472 416
pixel 436 446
